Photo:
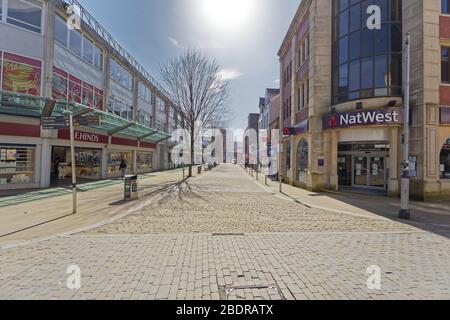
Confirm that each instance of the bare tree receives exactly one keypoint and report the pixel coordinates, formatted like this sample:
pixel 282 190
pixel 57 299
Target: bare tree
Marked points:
pixel 200 94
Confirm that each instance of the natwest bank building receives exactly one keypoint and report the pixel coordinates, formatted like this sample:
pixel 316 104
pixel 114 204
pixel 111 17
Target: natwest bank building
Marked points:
pixel 342 90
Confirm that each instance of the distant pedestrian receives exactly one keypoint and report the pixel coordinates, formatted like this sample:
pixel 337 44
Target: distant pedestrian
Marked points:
pixel 123 168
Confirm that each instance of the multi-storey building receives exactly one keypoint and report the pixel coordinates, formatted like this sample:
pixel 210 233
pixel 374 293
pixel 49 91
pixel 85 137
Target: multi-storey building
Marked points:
pixel 43 59
pixel 341 87
pixel 251 139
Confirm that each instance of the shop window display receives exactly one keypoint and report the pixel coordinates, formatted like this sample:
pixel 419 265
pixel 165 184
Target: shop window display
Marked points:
pixel 16 165
pixel 87 162
pixel 114 159
pixel 144 161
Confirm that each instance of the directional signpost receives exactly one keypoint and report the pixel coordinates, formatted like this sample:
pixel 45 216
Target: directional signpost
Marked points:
pixel 86 121
pixel 53 123
pixel 69 122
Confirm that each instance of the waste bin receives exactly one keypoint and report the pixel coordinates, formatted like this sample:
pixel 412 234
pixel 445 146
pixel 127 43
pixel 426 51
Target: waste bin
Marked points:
pixel 199 169
pixel 131 188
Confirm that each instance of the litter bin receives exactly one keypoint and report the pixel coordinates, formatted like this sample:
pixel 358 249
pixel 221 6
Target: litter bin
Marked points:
pixel 199 169
pixel 131 188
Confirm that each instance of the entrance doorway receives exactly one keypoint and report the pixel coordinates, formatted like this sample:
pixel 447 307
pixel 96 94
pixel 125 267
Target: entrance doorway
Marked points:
pixel 87 165
pixel 364 166
pixel 369 172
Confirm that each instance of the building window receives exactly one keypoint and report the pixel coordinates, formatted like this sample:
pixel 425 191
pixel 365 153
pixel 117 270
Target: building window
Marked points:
pixel 366 63
pixel 144 92
pixel 60 84
pixel 26 14
pixel 445 65
pixel 60 31
pixel 16 165
pixel 120 108
pixel 121 75
pixel 88 50
pixel 75 42
pixel 445 160
pixel 445 6
pixel 302 161
pixel 98 57
pixel 70 88
pixel 160 105
pixel 21 74
pixel 144 118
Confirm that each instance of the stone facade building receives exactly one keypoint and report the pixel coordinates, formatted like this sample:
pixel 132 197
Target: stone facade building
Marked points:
pixel 342 91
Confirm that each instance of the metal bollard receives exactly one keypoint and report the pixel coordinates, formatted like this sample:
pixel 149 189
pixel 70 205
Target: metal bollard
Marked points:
pixel 281 183
pixel 184 176
pixel 266 181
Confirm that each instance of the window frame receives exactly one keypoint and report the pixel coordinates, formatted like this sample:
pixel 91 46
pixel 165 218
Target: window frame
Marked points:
pixel 5 17
pixel 446 82
pixel 391 24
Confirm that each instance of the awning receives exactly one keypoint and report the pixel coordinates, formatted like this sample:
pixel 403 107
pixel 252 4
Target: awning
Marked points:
pixel 31 106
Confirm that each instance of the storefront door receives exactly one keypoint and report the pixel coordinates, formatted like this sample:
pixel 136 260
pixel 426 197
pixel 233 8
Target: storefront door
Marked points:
pixel 369 172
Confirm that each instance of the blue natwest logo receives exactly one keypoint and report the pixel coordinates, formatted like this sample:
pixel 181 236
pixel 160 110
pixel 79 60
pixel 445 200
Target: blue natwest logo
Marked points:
pixel 370 117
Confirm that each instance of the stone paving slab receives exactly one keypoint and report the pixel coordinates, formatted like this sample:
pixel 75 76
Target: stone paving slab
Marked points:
pixel 227 201
pixel 189 266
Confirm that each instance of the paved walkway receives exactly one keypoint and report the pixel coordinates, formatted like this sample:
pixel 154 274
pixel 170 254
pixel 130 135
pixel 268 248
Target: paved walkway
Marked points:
pixel 224 236
pixel 430 216
pixel 53 214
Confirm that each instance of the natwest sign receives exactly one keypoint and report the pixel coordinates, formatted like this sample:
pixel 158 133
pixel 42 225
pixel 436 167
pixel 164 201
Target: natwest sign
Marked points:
pixel 392 116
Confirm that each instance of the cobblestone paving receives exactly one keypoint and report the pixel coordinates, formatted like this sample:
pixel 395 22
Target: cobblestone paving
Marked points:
pixel 224 237
pixel 303 266
pixel 226 201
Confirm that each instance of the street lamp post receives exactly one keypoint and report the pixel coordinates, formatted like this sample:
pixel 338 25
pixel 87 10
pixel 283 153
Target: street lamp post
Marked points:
pixel 405 212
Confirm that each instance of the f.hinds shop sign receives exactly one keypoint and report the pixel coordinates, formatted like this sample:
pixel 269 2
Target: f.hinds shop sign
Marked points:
pixel 86 137
pixel 363 118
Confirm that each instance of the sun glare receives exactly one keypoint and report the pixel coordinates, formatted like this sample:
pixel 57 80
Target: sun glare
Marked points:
pixel 228 14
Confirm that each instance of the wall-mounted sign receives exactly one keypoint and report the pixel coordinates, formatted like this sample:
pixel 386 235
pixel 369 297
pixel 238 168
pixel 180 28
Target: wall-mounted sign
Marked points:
pixel 321 161
pixel 87 137
pixel 392 116
pixel 298 129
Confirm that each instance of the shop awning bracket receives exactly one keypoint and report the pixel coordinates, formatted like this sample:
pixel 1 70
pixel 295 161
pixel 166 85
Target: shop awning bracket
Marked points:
pixel 117 130
pixel 147 135
pixel 81 113
pixel 161 140
pixel 49 106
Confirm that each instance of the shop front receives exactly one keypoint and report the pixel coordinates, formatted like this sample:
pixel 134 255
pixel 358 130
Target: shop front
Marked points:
pixel 17 166
pixel 144 161
pixel 115 158
pixel 367 147
pixel 364 165
pixel 88 163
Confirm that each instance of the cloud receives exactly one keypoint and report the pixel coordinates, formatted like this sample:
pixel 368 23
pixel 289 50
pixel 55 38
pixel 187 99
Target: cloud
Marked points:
pixel 276 81
pixel 175 42
pixel 230 74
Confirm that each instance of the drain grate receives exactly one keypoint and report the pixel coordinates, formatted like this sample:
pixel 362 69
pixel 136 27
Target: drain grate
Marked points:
pixel 251 292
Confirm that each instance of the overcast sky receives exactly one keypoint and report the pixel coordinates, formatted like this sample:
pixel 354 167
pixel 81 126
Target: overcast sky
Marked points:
pixel 243 35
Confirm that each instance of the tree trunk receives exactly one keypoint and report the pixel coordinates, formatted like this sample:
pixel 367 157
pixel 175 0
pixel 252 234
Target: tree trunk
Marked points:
pixel 192 151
